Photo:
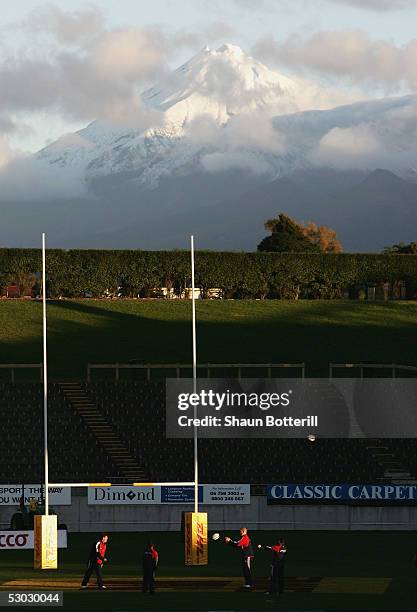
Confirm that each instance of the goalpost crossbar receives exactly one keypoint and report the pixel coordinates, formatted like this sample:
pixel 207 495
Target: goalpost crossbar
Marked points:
pixel 132 484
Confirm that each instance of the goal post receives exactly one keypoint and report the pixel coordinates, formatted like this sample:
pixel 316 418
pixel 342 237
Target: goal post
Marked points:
pixel 45 528
pixel 196 538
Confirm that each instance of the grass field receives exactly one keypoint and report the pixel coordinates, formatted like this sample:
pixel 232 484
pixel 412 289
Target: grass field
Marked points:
pixel 326 570
pixel 333 570
pixel 316 332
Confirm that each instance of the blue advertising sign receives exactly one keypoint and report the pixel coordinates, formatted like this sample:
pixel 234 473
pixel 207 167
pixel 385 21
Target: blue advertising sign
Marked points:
pixel 217 494
pixel 341 493
pixel 180 495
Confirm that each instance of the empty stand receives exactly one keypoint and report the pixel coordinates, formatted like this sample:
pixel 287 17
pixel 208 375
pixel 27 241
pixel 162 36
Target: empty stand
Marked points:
pixel 134 413
pixel 74 452
pixel 137 412
pixel 103 431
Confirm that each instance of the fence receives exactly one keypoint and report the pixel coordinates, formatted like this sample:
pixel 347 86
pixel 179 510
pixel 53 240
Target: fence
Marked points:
pixel 263 370
pixel 21 366
pixel 362 367
pixel 208 369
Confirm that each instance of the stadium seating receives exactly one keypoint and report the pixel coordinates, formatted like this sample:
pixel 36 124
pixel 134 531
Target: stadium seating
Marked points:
pixel 74 454
pixel 136 412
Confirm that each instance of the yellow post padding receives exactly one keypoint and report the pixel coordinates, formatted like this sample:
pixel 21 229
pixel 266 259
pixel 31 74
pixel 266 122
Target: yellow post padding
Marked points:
pixel 45 542
pixel 196 546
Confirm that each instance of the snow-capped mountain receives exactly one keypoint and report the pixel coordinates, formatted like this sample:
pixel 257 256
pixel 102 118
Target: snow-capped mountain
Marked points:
pixel 189 113
pixel 218 146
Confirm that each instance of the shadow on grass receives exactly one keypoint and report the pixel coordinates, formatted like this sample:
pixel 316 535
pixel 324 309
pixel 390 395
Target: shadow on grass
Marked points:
pixel 82 332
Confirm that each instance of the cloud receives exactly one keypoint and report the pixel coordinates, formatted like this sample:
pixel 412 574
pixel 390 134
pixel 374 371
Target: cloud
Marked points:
pixel 350 54
pixel 65 26
pixel 245 142
pixel 6 125
pixel 211 33
pixel 367 5
pixel 25 178
pixel 364 136
pixel 347 148
pixel 379 5
pixel 6 153
pixel 74 64
pixel 9 128
pixel 386 139
pixel 97 79
pixel 249 130
pixel 238 160
pixel 254 4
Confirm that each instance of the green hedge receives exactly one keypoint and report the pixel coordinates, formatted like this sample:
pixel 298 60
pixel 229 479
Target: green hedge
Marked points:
pixel 239 275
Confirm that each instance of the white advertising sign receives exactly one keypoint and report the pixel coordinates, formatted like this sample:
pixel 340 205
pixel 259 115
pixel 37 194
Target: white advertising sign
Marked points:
pixel 129 496
pixel 225 494
pixel 11 494
pixel 221 494
pixel 19 540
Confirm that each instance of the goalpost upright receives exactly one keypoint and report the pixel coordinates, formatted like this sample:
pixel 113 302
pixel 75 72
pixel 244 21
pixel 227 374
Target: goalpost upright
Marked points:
pixel 196 549
pixel 194 331
pixel 45 378
pixel 45 525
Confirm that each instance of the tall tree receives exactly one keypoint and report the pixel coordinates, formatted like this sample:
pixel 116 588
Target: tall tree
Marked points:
pixel 288 236
pixel 324 237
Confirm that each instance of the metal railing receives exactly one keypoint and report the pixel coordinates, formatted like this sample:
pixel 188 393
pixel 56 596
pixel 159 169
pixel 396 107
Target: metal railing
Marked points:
pixel 21 366
pixel 362 367
pixel 208 368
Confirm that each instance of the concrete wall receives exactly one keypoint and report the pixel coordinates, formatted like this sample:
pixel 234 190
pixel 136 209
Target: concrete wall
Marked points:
pixel 258 515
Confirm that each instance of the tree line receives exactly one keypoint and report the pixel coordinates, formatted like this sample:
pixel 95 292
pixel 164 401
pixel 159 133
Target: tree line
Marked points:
pixel 134 273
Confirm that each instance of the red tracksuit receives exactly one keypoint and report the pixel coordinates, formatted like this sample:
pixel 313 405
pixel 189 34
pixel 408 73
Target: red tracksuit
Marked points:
pixel 246 550
pixel 95 563
pixel 279 552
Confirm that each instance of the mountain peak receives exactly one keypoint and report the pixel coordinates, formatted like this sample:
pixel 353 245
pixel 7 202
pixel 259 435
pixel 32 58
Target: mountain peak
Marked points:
pixel 231 49
pixel 222 83
pixel 384 177
pixel 226 82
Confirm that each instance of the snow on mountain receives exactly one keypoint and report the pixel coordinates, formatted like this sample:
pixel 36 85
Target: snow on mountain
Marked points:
pixel 187 112
pixel 362 136
pixel 223 110
pixel 219 145
pixel 222 84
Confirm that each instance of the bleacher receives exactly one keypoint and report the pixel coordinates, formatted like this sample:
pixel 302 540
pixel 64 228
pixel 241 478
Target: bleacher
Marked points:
pixel 74 453
pixel 136 413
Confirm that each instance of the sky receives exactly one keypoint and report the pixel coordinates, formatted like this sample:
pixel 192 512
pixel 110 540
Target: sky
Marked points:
pixel 63 64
